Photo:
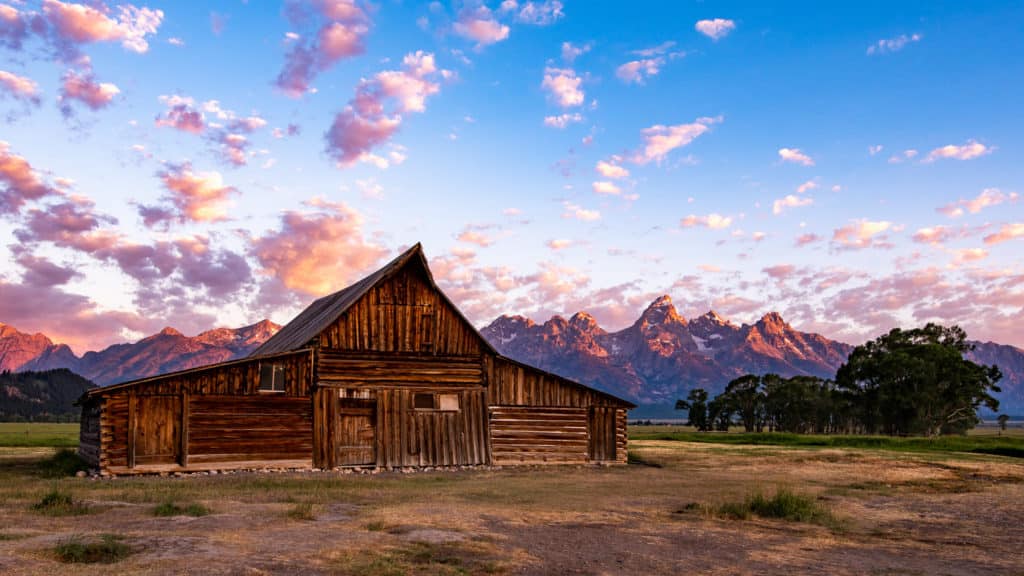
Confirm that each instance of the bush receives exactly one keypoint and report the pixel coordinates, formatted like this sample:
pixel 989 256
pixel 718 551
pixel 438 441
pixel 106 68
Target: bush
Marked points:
pixel 57 503
pixel 301 511
pixel 107 550
pixel 170 508
pixel 784 505
pixel 63 463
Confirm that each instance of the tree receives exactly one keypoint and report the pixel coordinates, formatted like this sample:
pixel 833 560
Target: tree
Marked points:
pixel 918 382
pixel 697 405
pixel 744 396
pixel 1002 419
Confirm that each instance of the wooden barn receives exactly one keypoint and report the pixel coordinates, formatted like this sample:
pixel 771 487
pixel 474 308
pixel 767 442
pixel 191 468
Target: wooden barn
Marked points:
pixel 385 373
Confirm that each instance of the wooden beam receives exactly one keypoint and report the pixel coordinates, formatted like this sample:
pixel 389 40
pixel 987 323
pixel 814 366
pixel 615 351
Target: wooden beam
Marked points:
pixel 183 459
pixel 132 425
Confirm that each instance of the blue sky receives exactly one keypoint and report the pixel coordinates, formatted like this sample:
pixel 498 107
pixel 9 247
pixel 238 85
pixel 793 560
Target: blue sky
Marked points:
pixel 855 167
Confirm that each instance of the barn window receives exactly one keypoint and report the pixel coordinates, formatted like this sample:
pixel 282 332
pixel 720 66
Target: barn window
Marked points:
pixel 271 377
pixel 448 402
pixel 423 401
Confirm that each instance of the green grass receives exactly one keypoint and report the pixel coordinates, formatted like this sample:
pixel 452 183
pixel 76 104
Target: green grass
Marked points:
pixel 65 462
pixel 783 505
pixel 1012 446
pixel 38 434
pixel 57 503
pixel 109 549
pixel 170 508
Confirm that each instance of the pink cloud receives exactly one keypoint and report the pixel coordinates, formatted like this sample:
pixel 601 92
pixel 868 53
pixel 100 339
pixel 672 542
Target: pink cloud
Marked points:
pixel 934 235
pixel 475 235
pixel 790 201
pixel 181 115
pixel 341 36
pixel 634 71
pixel 575 211
pixel 716 28
pixel 14 27
pixel 86 89
pixel 317 253
pixel 19 87
pixel 611 169
pixel 21 183
pixel 564 86
pixel 375 112
pixel 780 271
pixel 480 25
pixel 540 13
pixel 607 188
pixel 571 52
pixel 988 197
pixel 795 156
pixel 1006 232
pixel 968 151
pixel 197 196
pixel 73 23
pixel 713 221
pixel 862 234
pixel 887 45
pixel 562 120
pixel 660 140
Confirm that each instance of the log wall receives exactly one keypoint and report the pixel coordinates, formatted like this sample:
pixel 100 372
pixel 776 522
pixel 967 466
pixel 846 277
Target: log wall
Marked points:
pixel 89 433
pixel 534 435
pixel 513 384
pixel 336 367
pixel 403 314
pixel 233 429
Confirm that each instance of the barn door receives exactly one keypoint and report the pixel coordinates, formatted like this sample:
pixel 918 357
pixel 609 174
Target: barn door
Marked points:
pixel 601 434
pixel 156 427
pixel 356 432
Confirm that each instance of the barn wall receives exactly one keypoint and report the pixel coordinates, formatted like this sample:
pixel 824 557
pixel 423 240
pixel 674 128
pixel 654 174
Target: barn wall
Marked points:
pixel 249 428
pixel 538 435
pixel 336 367
pixel 403 314
pixel 412 437
pixel 89 433
pixel 228 384
pixel 513 384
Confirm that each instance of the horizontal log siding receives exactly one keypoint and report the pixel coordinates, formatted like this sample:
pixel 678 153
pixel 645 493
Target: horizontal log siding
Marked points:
pixel 89 433
pixel 403 314
pixel 621 436
pixel 534 435
pixel 251 428
pixel 235 380
pixel 410 437
pixel 346 369
pixel 513 384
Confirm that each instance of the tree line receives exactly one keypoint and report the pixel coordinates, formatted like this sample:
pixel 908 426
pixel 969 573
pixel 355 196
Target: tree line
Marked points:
pixel 906 382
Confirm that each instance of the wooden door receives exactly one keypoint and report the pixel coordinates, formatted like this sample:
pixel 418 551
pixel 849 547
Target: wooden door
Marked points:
pixel 157 430
pixel 601 434
pixel 356 432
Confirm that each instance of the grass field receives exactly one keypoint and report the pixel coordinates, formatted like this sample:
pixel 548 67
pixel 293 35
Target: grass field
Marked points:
pixel 681 506
pixel 38 434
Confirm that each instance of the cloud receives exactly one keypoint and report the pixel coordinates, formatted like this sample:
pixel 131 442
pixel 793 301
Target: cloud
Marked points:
pixel 14 27
pixel 478 24
pixel 181 115
pixel 611 169
pixel 375 112
pixel 780 271
pixel 988 197
pixel 579 213
pixel 935 235
pixel 888 45
pixel 965 255
pixel 564 86
pixel 861 234
pixel 562 120
pixel 540 13
pixel 559 244
pixel 20 182
pixel 716 28
pixel 809 185
pixel 86 89
pixel 72 24
pixel 660 140
pixel 969 151
pixel 19 87
pixel 713 221
pixel 342 26
pixel 795 156
pixel 634 72
pixel 475 235
pixel 317 253
pixel 1006 232
pixel 222 127
pixel 790 201
pixel 805 239
pixel 875 149
pixel 571 52
pixel 605 187
pixel 196 196
pixel 908 154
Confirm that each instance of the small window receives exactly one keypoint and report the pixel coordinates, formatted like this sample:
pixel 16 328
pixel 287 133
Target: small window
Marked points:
pixel 423 401
pixel 272 377
pixel 448 402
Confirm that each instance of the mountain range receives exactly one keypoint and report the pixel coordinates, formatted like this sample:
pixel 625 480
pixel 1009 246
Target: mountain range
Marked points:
pixel 653 362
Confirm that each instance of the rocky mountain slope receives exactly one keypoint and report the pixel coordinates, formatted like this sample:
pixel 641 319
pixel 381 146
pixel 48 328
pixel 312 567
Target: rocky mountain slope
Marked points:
pixel 166 351
pixel 662 355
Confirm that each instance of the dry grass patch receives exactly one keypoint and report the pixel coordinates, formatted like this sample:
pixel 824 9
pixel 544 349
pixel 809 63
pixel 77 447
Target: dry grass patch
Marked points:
pixel 58 503
pixel 170 508
pixel 301 511
pixel 422 558
pixel 107 549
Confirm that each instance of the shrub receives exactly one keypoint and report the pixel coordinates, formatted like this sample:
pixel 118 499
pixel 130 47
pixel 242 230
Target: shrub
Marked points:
pixel 301 511
pixel 107 550
pixel 65 462
pixel 170 508
pixel 784 505
pixel 57 503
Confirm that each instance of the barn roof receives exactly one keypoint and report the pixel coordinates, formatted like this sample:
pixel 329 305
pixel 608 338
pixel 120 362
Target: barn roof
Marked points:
pixel 323 312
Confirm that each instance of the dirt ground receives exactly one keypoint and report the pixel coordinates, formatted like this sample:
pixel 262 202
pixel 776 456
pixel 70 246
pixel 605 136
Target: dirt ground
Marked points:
pixel 894 514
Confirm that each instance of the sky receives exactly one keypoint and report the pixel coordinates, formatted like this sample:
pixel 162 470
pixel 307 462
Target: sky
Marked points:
pixel 853 166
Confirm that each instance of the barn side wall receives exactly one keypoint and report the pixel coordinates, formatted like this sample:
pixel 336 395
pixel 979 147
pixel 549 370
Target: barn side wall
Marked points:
pixel 540 418
pixel 89 433
pixel 221 417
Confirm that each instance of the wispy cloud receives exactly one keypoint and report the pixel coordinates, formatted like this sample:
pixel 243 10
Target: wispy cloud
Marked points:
pixel 796 156
pixel 895 44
